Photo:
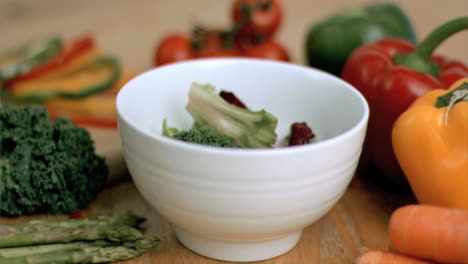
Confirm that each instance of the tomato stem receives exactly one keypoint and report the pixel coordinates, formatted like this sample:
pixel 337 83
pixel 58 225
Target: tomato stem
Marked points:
pixel 246 10
pixel 420 58
pixel 229 35
pixel 265 5
pixel 197 40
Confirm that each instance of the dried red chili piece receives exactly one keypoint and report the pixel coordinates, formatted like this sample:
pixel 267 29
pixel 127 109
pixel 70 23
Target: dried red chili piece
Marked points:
pixel 301 134
pixel 232 99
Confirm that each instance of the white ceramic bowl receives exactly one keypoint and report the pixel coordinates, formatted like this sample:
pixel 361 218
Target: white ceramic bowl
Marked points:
pixel 242 204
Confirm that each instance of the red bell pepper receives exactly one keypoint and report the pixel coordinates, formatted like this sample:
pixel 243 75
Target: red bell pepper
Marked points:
pixel 391 74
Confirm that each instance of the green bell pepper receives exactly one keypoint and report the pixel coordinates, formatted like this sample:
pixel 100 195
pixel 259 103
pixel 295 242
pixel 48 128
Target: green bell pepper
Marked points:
pixel 23 59
pixel 330 41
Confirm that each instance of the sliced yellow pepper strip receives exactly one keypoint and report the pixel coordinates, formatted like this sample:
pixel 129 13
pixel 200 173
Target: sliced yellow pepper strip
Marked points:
pixel 93 78
pixel 99 104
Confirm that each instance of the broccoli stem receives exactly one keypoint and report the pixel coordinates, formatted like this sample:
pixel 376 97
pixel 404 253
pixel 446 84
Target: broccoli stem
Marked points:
pixel 169 131
pixel 252 129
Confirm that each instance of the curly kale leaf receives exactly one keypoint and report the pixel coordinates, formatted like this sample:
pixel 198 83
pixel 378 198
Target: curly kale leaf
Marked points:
pixel 46 166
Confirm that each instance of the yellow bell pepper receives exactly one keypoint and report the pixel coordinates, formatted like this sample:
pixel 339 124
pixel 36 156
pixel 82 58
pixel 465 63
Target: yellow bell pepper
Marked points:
pixel 431 145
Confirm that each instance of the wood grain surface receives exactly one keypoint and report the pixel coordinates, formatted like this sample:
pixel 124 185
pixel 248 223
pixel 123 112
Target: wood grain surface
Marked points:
pixel 356 223
pixel 131 29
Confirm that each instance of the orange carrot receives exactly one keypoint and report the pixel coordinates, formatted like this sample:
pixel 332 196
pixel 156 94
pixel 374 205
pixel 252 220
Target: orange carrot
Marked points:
pixel 430 232
pixel 384 257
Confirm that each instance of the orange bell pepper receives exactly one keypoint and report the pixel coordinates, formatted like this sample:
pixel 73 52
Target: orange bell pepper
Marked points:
pixel 430 141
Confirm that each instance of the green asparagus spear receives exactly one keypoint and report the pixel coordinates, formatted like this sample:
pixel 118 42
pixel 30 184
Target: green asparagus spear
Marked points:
pixel 91 254
pixel 141 245
pixel 117 233
pixel 46 248
pixel 44 225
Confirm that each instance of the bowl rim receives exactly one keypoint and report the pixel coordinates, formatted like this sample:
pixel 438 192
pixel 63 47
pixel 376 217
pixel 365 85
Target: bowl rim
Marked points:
pixel 187 146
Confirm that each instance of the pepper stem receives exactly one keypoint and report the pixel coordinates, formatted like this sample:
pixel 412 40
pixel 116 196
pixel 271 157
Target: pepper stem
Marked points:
pixel 459 94
pixel 420 58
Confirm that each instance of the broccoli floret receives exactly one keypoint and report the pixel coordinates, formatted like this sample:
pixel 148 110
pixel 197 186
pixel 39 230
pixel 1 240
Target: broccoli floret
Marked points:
pixel 46 166
pixel 206 136
pixel 252 129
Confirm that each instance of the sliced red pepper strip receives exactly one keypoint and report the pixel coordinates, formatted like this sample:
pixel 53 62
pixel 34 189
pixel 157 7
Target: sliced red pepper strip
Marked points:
pixel 69 52
pixel 21 60
pixel 93 121
pixel 78 214
pixel 85 120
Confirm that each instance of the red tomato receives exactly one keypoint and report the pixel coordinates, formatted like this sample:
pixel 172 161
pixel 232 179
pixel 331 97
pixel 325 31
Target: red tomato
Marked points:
pixel 244 43
pixel 223 53
pixel 211 45
pixel 268 50
pixel 257 17
pixel 173 48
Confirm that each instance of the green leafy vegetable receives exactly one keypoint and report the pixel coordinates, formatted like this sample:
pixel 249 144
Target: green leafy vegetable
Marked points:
pixel 46 166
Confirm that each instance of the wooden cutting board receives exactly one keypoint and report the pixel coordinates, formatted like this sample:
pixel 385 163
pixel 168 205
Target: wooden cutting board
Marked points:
pixel 359 220
pixel 107 143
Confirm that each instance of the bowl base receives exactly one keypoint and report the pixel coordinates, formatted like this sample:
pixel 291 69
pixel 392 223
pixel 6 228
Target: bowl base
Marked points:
pixel 238 251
